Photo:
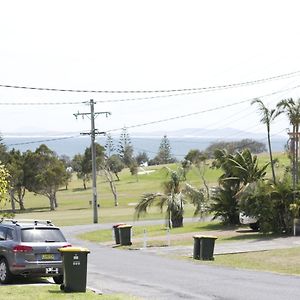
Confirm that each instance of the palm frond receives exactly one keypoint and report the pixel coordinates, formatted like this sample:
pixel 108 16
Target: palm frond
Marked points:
pixel 147 200
pixel 197 198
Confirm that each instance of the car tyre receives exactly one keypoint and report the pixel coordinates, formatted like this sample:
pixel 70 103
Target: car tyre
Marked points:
pixel 5 274
pixel 254 226
pixel 58 279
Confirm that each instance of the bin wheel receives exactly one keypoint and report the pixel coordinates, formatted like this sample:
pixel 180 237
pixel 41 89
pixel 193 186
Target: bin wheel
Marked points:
pixel 62 287
pixel 58 279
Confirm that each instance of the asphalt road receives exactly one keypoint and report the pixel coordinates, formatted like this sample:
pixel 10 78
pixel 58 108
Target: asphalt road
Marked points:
pixel 150 276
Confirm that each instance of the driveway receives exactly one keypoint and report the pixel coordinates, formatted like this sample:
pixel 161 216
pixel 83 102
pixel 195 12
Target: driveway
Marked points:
pixel 149 276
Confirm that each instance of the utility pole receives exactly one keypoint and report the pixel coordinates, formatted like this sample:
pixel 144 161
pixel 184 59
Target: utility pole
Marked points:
pixel 93 133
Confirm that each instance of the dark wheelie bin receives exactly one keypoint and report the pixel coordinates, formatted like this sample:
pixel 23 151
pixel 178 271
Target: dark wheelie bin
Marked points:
pixel 125 234
pixel 75 268
pixel 117 232
pixel 204 247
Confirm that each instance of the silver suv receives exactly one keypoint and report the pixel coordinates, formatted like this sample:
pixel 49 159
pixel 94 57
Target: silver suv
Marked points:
pixel 29 248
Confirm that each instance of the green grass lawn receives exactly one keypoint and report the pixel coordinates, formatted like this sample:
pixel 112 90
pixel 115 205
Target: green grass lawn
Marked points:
pixel 50 292
pixel 74 203
pixel 285 261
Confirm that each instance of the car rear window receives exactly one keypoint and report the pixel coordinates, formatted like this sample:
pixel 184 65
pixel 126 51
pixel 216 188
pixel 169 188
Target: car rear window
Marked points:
pixel 42 235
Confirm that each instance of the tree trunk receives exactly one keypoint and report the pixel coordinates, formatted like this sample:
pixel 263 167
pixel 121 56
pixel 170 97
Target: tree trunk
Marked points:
pixel 112 185
pixel 84 184
pixel 118 178
pixel 55 200
pixel 177 221
pixel 52 201
pixel 21 194
pixel 271 156
pixel 297 155
pixel 12 200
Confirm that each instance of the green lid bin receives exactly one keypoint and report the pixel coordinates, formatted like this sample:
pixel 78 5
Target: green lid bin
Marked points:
pixel 204 247
pixel 125 235
pixel 75 269
pixel 117 232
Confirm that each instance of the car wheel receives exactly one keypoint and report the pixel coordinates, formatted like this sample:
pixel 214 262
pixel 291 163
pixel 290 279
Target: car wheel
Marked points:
pixel 5 274
pixel 254 226
pixel 58 279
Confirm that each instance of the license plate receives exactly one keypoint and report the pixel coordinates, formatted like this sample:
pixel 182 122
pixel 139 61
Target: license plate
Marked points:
pixel 47 256
pixel 51 270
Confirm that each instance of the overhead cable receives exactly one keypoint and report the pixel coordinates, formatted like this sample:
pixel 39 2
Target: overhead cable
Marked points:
pixel 164 120
pixel 126 100
pixel 197 112
pixel 282 76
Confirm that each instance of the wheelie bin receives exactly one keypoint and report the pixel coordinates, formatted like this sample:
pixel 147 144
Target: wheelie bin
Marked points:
pixel 75 269
pixel 117 232
pixel 204 247
pixel 125 234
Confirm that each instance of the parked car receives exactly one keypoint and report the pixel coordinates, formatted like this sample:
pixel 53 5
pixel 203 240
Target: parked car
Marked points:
pixel 29 248
pixel 250 221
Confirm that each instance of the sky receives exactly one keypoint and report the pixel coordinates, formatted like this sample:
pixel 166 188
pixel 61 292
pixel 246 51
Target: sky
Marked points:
pixel 145 45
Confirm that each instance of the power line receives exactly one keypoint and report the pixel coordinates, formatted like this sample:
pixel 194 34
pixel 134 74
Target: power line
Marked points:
pixel 162 120
pixel 41 103
pixel 287 75
pixel 124 100
pixel 198 112
pixel 43 141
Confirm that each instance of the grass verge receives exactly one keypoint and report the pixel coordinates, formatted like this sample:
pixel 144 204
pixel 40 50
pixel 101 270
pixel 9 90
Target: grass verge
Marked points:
pixel 284 261
pixel 50 292
pixel 157 235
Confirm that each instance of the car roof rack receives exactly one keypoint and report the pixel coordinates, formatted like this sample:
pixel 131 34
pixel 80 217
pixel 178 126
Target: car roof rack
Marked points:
pixel 34 221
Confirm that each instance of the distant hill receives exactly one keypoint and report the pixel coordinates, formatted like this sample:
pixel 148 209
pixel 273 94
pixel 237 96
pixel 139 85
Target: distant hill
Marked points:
pixel 220 133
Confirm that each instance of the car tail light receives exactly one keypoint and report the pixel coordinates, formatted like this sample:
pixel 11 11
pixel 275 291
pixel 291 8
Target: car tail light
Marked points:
pixel 68 245
pixel 22 248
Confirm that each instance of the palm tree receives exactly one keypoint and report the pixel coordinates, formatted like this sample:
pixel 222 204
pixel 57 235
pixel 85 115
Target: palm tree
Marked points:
pixel 174 197
pixel 245 167
pixel 292 109
pixel 267 116
pixel 239 169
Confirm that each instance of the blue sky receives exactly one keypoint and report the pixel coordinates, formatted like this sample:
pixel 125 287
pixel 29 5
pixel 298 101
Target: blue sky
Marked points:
pixel 145 45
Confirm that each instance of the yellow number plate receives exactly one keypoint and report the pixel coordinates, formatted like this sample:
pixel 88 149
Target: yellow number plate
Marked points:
pixel 47 256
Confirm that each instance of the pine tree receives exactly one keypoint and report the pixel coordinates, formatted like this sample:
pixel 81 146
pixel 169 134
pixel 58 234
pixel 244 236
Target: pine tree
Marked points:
pixel 164 155
pixel 109 145
pixel 125 149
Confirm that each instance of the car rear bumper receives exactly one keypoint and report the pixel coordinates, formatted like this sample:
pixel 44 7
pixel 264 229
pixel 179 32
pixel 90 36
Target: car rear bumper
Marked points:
pixel 37 269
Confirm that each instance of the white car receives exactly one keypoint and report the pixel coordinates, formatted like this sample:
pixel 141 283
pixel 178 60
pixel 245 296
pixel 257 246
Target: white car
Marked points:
pixel 251 221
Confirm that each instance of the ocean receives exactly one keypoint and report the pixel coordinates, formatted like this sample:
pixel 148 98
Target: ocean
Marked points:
pixel 71 146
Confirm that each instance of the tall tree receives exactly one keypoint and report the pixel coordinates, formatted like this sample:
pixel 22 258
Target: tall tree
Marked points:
pixel 267 116
pixel 44 173
pixel 125 148
pixel 3 184
pixel 69 170
pixel 164 155
pixel 3 152
pixel 238 171
pixel 142 158
pixel 292 109
pixel 173 197
pixel 77 165
pixel 115 165
pixel 15 165
pixel 109 145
